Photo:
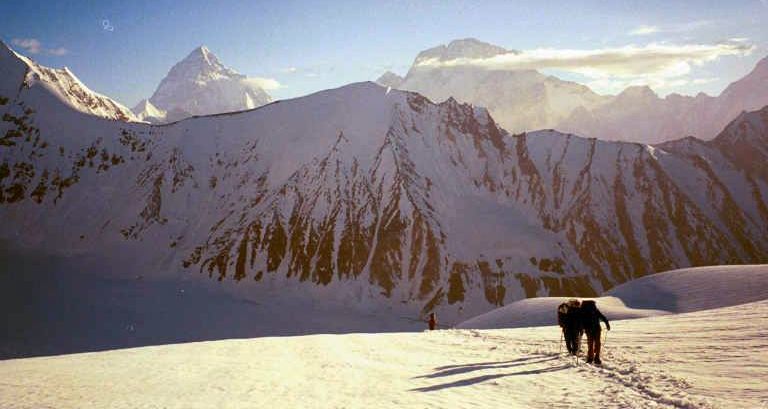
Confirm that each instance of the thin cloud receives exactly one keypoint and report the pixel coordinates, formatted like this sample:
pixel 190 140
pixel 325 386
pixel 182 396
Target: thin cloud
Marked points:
pixel 609 70
pixel 644 30
pixel 30 45
pixel 34 46
pixel 289 70
pixel 263 83
pixel 699 81
pixel 59 51
pixel 629 61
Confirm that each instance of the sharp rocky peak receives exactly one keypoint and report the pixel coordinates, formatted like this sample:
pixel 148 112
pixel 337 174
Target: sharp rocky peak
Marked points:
pixel 201 61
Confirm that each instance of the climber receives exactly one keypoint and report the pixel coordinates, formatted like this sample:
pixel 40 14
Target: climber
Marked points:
pixel 570 323
pixel 590 318
pixel 432 321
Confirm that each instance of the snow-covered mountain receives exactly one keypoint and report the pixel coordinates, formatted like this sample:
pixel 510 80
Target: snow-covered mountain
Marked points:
pixel 520 100
pixel 147 112
pixel 375 197
pixel 524 100
pixel 201 85
pixel 24 79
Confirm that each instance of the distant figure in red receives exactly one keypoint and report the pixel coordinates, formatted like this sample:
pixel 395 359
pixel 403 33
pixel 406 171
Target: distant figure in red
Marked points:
pixel 432 321
pixel 590 321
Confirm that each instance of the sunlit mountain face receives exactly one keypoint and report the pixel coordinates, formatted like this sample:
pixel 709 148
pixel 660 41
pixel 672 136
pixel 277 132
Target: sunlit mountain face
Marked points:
pixel 523 99
pixel 376 195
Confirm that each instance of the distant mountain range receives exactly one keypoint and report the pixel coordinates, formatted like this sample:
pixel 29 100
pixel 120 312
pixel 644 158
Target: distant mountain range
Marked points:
pixel 524 100
pixel 520 100
pixel 373 196
pixel 200 85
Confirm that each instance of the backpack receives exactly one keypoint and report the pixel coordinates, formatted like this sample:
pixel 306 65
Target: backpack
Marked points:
pixel 568 312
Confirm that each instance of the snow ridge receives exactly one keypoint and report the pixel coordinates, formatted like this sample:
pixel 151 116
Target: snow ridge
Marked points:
pixel 61 83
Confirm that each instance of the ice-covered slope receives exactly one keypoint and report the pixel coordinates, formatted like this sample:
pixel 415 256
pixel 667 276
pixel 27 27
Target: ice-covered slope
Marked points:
pixel 520 100
pixel 375 198
pixel 23 80
pixel 676 291
pixel 708 359
pixel 201 85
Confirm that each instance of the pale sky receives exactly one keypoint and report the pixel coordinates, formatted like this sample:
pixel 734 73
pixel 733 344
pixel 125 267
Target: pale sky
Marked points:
pixel 123 49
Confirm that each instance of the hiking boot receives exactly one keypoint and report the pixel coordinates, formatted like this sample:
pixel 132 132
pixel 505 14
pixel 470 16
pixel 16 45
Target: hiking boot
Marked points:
pixel 598 361
pixel 589 360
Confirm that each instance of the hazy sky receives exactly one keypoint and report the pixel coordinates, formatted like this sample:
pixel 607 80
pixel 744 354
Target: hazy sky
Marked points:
pixel 124 48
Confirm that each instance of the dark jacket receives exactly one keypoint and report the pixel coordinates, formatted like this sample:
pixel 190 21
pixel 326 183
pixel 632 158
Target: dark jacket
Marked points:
pixel 591 317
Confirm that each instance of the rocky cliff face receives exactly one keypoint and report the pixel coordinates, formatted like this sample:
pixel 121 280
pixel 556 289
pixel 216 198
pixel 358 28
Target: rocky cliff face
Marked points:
pixel 380 197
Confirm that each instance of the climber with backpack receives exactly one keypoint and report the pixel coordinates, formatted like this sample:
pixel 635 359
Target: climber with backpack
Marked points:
pixel 590 318
pixel 570 324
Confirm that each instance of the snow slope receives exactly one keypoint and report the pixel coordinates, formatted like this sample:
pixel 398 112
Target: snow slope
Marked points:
pixel 677 291
pixel 708 359
pixel 53 305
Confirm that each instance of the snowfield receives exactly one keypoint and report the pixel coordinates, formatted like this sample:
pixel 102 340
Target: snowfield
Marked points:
pixel 714 358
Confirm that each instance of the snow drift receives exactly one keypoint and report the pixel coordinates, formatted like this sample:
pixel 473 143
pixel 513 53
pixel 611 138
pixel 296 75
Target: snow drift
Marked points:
pixel 677 291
